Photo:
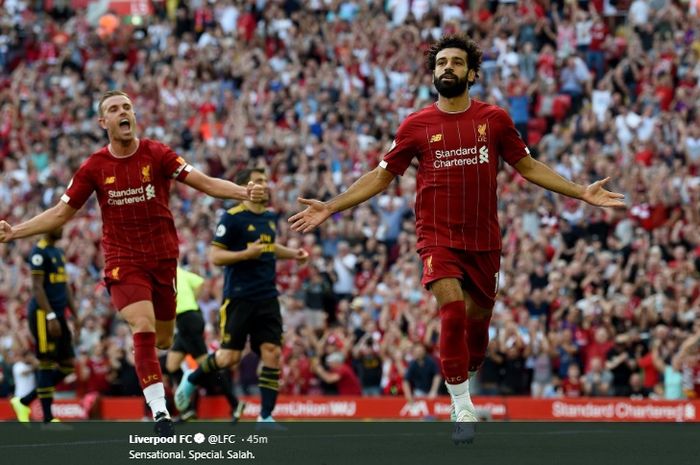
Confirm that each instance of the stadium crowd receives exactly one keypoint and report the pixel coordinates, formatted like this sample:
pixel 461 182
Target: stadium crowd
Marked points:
pixel 591 302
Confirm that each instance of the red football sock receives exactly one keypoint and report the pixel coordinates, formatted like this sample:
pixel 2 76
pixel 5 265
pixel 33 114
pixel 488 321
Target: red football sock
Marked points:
pixel 454 355
pixel 477 340
pixel 146 361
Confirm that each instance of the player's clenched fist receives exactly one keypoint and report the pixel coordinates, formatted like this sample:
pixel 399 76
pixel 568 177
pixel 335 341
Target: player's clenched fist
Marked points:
pixel 256 192
pixel 301 256
pixel 5 231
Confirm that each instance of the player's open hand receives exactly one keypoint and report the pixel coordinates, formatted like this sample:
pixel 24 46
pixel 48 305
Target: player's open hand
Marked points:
pixel 596 195
pixel 256 192
pixel 316 212
pixel 302 256
pixel 6 231
pixel 254 250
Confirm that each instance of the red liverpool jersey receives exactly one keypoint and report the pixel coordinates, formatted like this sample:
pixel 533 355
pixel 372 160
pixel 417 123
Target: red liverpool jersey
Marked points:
pixel 133 193
pixel 458 159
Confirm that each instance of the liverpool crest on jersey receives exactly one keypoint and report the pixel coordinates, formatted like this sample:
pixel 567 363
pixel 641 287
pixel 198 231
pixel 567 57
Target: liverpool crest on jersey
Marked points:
pixel 481 130
pixel 146 173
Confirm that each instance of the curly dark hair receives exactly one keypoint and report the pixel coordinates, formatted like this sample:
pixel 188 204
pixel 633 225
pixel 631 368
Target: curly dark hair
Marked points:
pixel 456 41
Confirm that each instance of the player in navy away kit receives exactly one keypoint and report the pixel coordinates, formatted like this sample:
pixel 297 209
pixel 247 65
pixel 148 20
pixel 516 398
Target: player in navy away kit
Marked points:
pixel 245 244
pixel 47 323
pixel 131 178
pixel 458 142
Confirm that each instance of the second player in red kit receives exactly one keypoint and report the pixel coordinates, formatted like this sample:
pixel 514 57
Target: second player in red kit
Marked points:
pixel 140 244
pixel 458 143
pixel 132 179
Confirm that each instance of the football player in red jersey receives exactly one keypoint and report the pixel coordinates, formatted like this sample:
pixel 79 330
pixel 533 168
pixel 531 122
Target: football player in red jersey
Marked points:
pixel 131 177
pixel 458 142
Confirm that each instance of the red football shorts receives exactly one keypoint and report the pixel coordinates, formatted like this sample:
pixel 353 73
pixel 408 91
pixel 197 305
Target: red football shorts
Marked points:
pixel 478 271
pixel 155 282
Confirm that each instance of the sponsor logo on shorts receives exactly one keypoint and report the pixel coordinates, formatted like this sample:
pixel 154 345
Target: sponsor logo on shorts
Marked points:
pixel 115 273
pixel 429 265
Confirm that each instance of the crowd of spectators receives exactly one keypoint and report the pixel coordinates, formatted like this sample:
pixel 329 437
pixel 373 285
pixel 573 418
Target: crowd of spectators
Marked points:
pixel 591 302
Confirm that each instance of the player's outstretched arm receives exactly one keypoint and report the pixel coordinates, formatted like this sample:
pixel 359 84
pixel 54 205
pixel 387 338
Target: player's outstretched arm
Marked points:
pixel 544 176
pixel 316 212
pixel 223 189
pixel 53 218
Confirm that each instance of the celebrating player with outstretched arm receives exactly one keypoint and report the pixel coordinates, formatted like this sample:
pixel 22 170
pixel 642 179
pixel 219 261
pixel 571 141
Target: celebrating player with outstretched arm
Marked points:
pixel 458 142
pixel 132 177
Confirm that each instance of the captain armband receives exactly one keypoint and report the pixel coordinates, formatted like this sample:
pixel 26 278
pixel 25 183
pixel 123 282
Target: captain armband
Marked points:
pixel 187 168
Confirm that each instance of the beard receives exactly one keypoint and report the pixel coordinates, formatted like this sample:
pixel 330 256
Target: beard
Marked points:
pixel 450 89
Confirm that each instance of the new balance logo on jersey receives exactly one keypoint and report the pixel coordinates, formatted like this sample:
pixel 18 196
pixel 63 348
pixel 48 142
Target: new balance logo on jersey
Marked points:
pixel 110 180
pixel 435 138
pixel 251 227
pixel 462 156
